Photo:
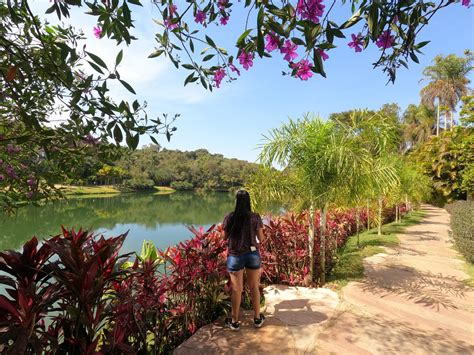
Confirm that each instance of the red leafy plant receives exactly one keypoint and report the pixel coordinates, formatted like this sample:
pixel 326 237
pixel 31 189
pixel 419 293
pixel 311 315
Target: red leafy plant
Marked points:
pixel 75 294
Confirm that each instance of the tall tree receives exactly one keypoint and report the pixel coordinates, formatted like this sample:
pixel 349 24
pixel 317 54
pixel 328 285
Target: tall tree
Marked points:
pixel 330 164
pixel 419 124
pixel 447 83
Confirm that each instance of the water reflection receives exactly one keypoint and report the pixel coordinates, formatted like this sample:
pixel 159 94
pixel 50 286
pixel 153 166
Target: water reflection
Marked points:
pixel 161 218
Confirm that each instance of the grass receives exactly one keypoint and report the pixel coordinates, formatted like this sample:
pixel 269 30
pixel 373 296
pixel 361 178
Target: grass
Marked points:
pixel 89 190
pixel 350 265
pixel 469 268
pixel 163 190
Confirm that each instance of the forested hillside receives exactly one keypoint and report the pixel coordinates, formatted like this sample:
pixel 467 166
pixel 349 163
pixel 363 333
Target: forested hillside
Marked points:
pixel 153 166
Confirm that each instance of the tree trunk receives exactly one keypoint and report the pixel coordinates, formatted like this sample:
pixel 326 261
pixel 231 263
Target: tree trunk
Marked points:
pixel 396 213
pixel 311 242
pixel 437 121
pixel 368 215
pixel 406 203
pixel 322 246
pixel 379 230
pixel 357 226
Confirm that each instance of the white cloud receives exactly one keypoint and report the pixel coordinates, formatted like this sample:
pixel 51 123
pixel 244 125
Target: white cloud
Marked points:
pixel 154 80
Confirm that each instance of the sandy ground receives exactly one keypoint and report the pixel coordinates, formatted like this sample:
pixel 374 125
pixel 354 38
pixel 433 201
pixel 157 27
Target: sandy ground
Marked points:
pixel 412 301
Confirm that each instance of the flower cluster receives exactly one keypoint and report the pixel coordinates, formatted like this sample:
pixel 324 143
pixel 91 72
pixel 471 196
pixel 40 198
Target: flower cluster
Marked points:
pixel 310 10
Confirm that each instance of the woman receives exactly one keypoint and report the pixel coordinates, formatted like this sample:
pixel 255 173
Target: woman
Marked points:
pixel 243 230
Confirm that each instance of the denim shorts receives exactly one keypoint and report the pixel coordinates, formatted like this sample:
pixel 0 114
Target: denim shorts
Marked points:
pixel 249 260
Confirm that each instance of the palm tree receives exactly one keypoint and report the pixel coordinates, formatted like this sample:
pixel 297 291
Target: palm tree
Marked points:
pixel 448 82
pixel 329 164
pixel 420 124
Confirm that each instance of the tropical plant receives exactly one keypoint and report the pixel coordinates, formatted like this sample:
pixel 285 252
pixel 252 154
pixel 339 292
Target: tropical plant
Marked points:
pixel 448 83
pixel 310 26
pixel 419 125
pixel 447 160
pixel 329 165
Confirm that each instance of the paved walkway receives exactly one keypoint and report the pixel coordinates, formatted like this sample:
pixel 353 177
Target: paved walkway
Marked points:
pixel 412 301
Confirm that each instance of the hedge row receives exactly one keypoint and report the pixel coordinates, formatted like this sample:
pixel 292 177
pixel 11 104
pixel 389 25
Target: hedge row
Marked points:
pixel 462 227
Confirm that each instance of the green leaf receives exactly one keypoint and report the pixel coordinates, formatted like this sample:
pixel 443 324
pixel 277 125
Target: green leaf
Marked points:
pixel 118 136
pixel 118 60
pixel 243 36
pixel 97 59
pixel 210 41
pixel 414 57
pixel 189 79
pixel 352 21
pixel 298 41
pixel 51 9
pixel 127 86
pixel 422 44
pixel 156 53
pixel 188 66
pixel 208 57
pixel 96 67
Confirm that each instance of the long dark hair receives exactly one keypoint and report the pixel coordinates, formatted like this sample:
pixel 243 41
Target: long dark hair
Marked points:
pixel 241 212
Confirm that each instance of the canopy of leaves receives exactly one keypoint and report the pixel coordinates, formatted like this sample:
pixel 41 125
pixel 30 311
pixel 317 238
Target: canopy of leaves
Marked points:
pixel 55 102
pixel 311 25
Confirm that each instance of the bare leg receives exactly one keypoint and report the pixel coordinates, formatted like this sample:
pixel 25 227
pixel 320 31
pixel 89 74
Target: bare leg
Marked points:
pixel 253 281
pixel 236 292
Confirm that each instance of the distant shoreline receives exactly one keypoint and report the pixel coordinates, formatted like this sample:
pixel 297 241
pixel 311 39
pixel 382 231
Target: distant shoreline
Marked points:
pixel 112 190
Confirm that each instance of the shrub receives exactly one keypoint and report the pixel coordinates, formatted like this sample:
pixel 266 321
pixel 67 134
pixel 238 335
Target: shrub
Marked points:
pixel 181 185
pixel 75 294
pixel 139 183
pixel 285 253
pixel 462 227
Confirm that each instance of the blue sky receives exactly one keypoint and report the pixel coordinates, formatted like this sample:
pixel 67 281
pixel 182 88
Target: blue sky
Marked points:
pixel 232 120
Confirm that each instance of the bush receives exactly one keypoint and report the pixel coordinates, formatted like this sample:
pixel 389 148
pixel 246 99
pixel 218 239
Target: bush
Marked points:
pixel 285 254
pixel 462 227
pixel 139 183
pixel 75 294
pixel 90 298
pixel 181 185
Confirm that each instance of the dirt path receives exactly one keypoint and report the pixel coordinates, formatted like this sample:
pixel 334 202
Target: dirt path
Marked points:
pixel 412 301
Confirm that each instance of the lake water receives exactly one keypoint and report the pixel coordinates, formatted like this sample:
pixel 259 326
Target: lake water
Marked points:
pixel 159 218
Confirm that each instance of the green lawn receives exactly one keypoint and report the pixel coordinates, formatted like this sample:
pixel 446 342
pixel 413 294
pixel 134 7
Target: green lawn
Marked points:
pixel 89 190
pixel 350 264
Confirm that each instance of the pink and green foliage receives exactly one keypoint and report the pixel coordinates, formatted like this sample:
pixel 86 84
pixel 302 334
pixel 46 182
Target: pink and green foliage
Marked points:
pixel 92 301
pixel 285 249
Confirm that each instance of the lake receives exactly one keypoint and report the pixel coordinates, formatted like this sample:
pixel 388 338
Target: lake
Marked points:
pixel 159 218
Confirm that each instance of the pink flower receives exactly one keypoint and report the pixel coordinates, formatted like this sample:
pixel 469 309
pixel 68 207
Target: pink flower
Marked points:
pixel 172 10
pixel 219 74
pixel 273 42
pixel 385 40
pixel 303 69
pixel 234 68
pixel 323 54
pixel 289 48
pixel 356 43
pixel 97 31
pixel 466 2
pixel 200 17
pixel 169 24
pixel 310 9
pixel 221 4
pixel 246 60
pixel 223 20
pixel 2 177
